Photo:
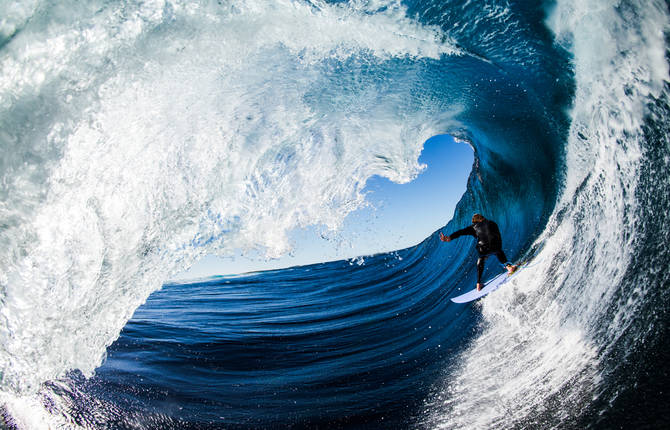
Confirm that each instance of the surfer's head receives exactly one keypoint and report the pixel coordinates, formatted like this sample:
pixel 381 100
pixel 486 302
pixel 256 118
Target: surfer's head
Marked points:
pixel 477 218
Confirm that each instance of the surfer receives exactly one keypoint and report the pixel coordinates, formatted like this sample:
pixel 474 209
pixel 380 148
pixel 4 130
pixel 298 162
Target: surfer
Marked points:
pixel 489 243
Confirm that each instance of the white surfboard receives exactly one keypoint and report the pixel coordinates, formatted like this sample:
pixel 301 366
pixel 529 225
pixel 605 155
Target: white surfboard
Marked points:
pixel 489 286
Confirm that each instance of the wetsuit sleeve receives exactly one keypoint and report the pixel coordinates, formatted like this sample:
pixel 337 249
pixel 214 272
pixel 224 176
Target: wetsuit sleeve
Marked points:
pixel 467 231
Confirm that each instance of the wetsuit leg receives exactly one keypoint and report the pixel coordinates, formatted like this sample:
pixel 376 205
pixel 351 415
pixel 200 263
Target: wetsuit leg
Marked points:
pixel 480 267
pixel 501 256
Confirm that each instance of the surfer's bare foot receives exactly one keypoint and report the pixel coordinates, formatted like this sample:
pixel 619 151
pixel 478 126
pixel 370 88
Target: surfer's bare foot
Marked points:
pixel 480 286
pixel 511 268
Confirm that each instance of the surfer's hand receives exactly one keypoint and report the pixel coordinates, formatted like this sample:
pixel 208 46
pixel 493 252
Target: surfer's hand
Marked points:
pixel 444 238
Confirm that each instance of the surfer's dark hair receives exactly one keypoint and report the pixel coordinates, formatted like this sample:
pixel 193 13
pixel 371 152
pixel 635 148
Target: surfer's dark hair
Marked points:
pixel 477 218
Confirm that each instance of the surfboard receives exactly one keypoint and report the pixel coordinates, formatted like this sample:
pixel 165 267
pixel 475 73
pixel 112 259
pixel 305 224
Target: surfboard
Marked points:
pixel 489 286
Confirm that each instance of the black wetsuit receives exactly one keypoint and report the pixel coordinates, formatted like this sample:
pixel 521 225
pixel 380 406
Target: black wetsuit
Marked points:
pixel 489 242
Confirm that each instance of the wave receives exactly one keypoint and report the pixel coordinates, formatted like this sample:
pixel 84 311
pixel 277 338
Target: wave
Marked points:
pixel 572 326
pixel 141 137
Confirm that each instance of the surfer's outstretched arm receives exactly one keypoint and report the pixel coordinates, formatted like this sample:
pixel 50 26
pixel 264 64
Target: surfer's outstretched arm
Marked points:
pixel 467 231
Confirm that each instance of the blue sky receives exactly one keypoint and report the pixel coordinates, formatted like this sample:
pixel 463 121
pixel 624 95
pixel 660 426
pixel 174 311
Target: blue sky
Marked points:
pixel 400 215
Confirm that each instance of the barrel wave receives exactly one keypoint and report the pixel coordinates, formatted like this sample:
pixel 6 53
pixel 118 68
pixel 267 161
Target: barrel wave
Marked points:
pixel 139 137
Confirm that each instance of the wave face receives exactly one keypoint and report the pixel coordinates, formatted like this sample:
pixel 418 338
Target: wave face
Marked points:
pixel 138 137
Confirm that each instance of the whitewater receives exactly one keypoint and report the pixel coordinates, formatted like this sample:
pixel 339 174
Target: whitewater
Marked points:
pixel 137 138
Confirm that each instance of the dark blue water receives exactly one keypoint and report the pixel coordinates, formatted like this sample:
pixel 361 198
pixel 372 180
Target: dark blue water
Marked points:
pixel 314 345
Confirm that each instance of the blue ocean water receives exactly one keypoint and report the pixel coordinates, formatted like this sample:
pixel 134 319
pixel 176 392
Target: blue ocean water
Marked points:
pixel 139 137
pixel 238 351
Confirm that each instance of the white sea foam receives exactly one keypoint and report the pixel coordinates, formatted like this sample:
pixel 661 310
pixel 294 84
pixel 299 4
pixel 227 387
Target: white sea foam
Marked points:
pixel 136 138
pixel 543 336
